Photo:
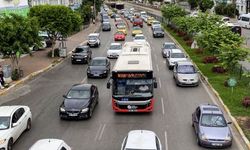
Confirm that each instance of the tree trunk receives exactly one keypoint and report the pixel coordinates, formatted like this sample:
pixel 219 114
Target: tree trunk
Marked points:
pixel 53 47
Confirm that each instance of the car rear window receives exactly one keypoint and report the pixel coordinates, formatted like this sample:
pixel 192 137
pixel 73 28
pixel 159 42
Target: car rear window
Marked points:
pixel 98 63
pixel 245 19
pixel 169 46
pixel 186 69
pixel 137 20
pixel 177 55
pixel 77 94
pixel 80 50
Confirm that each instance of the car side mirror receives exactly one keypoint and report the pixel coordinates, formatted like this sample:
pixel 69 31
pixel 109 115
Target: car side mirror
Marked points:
pixel 155 83
pixel 229 122
pixel 64 96
pixel 14 124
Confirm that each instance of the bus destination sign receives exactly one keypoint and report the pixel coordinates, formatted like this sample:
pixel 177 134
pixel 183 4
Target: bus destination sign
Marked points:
pixel 132 75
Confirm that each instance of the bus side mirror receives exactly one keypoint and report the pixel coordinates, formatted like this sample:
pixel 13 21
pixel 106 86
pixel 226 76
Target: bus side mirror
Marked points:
pixel 155 83
pixel 108 85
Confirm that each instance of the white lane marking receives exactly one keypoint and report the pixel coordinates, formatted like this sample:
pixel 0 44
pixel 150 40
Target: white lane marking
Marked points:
pixel 160 82
pixel 102 131
pixel 166 140
pixel 99 130
pixel 157 67
pixel 162 105
pixel 85 78
pixel 238 143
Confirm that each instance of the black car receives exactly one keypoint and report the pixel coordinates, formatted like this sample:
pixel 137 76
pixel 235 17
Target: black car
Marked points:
pixel 81 54
pixel 106 26
pixel 99 67
pixel 79 102
pixel 158 32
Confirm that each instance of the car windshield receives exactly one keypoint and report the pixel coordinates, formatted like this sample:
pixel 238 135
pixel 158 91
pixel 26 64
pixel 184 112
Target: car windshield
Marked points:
pixel 81 50
pixel 119 33
pixel 136 28
pixel 98 62
pixel 92 37
pixel 133 87
pixel 77 94
pixel 4 123
pixel 137 20
pixel 157 29
pixel 139 38
pixel 169 46
pixel 115 47
pixel 121 26
pixel 213 120
pixel 186 69
pixel 177 55
pixel 156 22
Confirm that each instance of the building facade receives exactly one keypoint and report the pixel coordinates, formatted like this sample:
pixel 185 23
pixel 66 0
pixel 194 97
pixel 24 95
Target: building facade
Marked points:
pixel 55 2
pixel 243 6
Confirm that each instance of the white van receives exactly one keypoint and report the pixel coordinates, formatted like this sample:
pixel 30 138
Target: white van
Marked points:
pixel 50 144
pixel 244 20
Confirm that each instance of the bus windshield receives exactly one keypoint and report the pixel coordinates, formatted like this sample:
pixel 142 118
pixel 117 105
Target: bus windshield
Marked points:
pixel 133 88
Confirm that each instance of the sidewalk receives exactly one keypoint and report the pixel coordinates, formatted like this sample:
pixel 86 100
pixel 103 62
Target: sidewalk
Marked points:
pixel 40 62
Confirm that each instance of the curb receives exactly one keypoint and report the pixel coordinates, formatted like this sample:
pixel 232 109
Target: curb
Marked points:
pixel 36 73
pixel 235 123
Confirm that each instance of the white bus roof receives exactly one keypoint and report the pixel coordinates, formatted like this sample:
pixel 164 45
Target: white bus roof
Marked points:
pixel 134 57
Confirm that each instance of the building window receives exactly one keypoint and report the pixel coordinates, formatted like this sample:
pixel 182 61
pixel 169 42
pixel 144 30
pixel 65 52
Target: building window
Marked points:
pixel 241 8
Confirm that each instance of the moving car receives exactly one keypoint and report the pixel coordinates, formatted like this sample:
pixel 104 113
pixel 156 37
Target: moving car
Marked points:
pixel 141 140
pixel 150 20
pixel 50 144
pixel 119 36
pixel 139 38
pixel 118 21
pixel 14 120
pixel 98 67
pixel 122 28
pixel 158 32
pixel 137 21
pixel 114 50
pixel 79 102
pixel 174 56
pixel 167 46
pixel 244 20
pixel 136 30
pixel 94 40
pixel 106 26
pixel 185 74
pixel 155 24
pixel 81 54
pixel 210 127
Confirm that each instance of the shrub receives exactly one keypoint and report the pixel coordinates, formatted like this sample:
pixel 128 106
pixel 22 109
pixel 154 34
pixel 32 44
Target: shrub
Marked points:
pixel 218 69
pixel 226 10
pixel 189 42
pixel 199 51
pixel 210 59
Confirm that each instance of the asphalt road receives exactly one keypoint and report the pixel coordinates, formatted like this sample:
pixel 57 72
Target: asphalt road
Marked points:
pixel 171 118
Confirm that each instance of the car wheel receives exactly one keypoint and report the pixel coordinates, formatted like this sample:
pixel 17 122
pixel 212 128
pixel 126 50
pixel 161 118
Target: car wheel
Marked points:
pixel 198 141
pixel 192 124
pixel 10 144
pixel 35 48
pixel 28 127
pixel 72 62
pixel 169 67
pixel 90 112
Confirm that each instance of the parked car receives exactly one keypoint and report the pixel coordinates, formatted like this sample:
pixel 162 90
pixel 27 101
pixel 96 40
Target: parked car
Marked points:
pixel 50 144
pixel 141 140
pixel 81 54
pixel 119 36
pixel 158 32
pixel 244 20
pixel 167 46
pixel 139 38
pixel 174 56
pixel 137 21
pixel 94 40
pixel 79 102
pixel 210 127
pixel 114 50
pixel 106 26
pixel 185 74
pixel 136 30
pixel 14 120
pixel 99 67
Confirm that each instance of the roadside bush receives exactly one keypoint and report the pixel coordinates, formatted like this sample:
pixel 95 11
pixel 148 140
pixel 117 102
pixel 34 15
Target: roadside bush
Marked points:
pixel 210 59
pixel 218 69
pixel 56 51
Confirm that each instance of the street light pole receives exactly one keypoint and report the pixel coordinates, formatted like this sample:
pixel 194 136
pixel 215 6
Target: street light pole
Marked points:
pixel 94 13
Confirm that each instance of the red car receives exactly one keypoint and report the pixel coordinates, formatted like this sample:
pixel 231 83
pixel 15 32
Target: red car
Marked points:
pixel 137 21
pixel 119 36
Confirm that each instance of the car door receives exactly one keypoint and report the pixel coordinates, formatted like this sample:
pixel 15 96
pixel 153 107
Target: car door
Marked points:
pixel 94 96
pixel 196 119
pixel 16 125
pixel 175 71
pixel 107 65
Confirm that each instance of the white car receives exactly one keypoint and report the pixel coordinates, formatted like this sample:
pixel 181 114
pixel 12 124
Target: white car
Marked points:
pixel 94 40
pixel 139 38
pixel 155 24
pixel 114 50
pixel 141 140
pixel 173 56
pixel 14 120
pixel 50 144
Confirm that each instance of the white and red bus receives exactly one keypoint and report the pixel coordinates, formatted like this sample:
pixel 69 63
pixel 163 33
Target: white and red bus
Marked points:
pixel 133 80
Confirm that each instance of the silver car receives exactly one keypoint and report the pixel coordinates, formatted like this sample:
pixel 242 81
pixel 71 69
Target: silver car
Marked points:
pixel 167 46
pixel 185 74
pixel 141 140
pixel 210 127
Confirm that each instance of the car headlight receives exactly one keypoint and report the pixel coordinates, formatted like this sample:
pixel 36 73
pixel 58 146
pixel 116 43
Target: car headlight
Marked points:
pixel 62 109
pixel 203 137
pixel 85 56
pixel 2 141
pixel 165 52
pixel 85 110
pixel 88 71
pixel 105 71
pixel 228 138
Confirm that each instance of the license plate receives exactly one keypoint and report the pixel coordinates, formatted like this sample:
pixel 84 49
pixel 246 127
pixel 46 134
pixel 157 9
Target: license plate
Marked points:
pixel 78 60
pixel 73 114
pixel 92 44
pixel 132 107
pixel 216 144
pixel 96 75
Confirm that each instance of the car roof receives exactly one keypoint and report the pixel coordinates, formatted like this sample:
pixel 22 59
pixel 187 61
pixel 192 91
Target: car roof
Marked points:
pixel 176 51
pixel 81 86
pixel 50 144
pixel 210 109
pixel 82 46
pixel 139 35
pixel 106 23
pixel 168 43
pixel 141 139
pixel 184 63
pixel 115 44
pixel 94 34
pixel 8 110
pixel 99 58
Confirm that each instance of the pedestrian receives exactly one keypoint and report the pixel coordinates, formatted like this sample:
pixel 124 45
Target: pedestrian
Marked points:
pixel 2 83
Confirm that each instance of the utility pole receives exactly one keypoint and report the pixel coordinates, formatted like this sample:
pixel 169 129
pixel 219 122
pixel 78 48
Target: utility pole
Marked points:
pixel 94 12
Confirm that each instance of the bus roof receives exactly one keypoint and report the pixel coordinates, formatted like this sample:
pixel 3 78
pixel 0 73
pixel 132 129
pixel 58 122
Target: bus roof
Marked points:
pixel 134 57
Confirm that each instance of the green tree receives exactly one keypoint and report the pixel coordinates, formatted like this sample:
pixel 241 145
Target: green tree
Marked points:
pixel 170 11
pixel 56 20
pixel 230 55
pixel 17 35
pixel 85 12
pixel 206 4
pixel 193 3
